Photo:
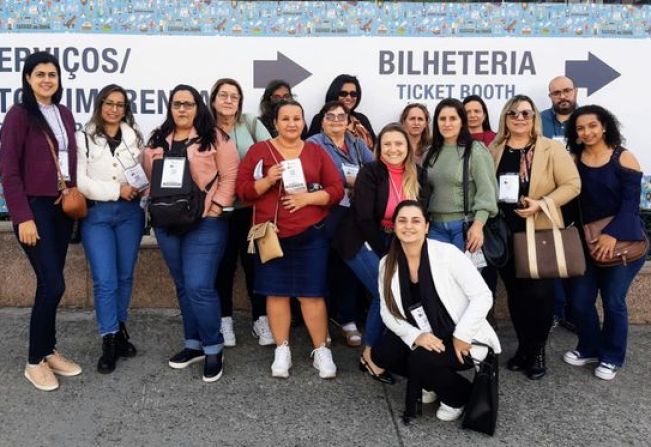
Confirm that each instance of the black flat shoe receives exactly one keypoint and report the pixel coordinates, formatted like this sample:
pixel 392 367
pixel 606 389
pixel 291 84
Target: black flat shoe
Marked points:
pixel 384 377
pixel 519 362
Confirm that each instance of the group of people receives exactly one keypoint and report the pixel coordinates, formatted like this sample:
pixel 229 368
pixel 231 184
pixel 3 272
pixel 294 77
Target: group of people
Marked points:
pixel 397 217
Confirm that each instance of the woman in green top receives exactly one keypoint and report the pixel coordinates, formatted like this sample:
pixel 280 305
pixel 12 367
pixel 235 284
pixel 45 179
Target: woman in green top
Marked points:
pixel 226 104
pixel 443 165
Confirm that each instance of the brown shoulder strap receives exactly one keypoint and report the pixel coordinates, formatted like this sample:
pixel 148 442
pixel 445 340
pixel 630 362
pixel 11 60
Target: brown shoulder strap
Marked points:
pixel 61 183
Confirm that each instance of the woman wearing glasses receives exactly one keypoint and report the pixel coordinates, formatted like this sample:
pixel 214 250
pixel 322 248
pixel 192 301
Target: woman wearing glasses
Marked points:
pixel 347 90
pixel 529 167
pixel 349 154
pixel 226 101
pixel 193 255
pixel 415 120
pixel 110 175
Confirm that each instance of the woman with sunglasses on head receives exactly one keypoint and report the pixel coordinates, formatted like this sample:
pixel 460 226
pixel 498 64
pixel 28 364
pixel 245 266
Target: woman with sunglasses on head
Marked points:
pixel 529 167
pixel 347 90
pixel 226 99
pixel 293 183
pixel 110 175
pixel 349 154
pixel 451 144
pixel 364 234
pixel 415 120
pixel 31 130
pixel 193 255
pixel 611 179
pixel 435 280
pixel 478 120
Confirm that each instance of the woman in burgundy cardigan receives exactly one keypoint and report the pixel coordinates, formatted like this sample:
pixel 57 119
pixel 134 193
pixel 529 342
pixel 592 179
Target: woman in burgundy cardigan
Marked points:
pixel 299 213
pixel 32 130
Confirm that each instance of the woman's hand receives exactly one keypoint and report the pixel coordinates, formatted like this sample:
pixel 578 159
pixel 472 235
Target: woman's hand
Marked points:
pixel 475 236
pixel 604 247
pixel 429 341
pixel 531 207
pixel 274 174
pixel 461 349
pixel 128 192
pixel 294 202
pixel 27 233
pixel 214 210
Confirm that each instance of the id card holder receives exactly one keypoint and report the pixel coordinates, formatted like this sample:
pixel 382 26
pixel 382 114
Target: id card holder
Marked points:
pixel 136 177
pixel 420 317
pixel 477 258
pixel 173 170
pixel 63 164
pixel 293 177
pixel 509 188
pixel 350 173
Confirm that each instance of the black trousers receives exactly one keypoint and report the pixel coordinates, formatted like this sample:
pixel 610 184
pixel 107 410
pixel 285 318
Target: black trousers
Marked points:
pixel 237 245
pixel 436 372
pixel 531 305
pixel 48 258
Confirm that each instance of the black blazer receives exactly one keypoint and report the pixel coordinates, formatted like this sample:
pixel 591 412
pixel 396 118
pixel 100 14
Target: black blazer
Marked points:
pixel 362 222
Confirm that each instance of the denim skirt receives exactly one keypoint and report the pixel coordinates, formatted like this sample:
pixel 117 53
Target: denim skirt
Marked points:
pixel 301 272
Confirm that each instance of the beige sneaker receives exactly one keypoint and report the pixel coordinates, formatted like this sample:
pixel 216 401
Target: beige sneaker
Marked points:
pixel 41 376
pixel 61 365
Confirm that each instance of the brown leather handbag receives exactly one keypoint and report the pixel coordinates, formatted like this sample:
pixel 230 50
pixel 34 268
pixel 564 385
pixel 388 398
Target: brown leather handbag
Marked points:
pixel 555 253
pixel 625 251
pixel 73 203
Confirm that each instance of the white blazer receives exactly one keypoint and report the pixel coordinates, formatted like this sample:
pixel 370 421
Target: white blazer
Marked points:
pixel 100 174
pixel 462 291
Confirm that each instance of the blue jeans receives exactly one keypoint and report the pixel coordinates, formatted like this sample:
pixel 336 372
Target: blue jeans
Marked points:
pixel 450 232
pixel 192 259
pixel 366 266
pixel 111 235
pixel 608 342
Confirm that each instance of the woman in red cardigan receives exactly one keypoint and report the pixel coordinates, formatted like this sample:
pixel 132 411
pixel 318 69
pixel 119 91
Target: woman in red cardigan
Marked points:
pixel 293 183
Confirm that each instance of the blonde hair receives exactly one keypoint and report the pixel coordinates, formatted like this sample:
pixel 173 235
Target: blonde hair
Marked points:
pixel 410 185
pixel 503 132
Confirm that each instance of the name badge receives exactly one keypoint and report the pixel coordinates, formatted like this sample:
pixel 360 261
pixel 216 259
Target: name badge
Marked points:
pixel 173 170
pixel 136 177
pixel 420 317
pixel 477 258
pixel 350 172
pixel 293 177
pixel 509 188
pixel 63 164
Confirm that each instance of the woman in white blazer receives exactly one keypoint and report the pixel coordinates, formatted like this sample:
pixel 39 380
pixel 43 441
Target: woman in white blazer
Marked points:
pixel 110 175
pixel 434 303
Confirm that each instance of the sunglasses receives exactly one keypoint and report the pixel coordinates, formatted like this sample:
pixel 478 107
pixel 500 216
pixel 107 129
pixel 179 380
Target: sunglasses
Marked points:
pixel 344 94
pixel 176 105
pixel 335 116
pixel 525 114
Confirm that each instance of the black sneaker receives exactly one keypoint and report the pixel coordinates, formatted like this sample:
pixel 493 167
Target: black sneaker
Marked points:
pixel 213 367
pixel 106 363
pixel 185 358
pixel 123 347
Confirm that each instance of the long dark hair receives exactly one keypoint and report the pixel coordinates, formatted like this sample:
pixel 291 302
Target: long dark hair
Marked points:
pixel 204 124
pixel 486 124
pixel 95 126
pixel 28 100
pixel 391 260
pixel 215 90
pixel 464 138
pixel 612 135
pixel 267 105
pixel 337 83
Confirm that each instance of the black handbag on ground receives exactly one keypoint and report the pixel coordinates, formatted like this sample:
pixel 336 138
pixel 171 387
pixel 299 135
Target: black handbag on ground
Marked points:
pixel 481 410
pixel 177 209
pixel 497 233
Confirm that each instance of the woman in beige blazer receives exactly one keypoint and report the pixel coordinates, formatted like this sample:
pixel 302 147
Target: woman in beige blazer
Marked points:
pixel 528 168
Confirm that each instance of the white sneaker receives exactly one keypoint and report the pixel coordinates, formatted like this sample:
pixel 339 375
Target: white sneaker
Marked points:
pixel 428 397
pixel 575 358
pixel 606 371
pixel 262 332
pixel 447 413
pixel 324 363
pixel 282 361
pixel 228 332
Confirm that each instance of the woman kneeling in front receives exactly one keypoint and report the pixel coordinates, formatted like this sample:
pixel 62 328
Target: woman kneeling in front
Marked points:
pixel 434 303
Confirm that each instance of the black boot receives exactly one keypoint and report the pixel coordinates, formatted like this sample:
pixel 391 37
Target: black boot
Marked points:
pixel 106 363
pixel 537 367
pixel 520 361
pixel 123 347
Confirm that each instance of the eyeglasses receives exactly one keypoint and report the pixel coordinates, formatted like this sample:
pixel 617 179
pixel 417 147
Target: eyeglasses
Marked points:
pixel 176 105
pixel 525 114
pixel 276 98
pixel 344 94
pixel 223 96
pixel 335 116
pixel 114 105
pixel 557 93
